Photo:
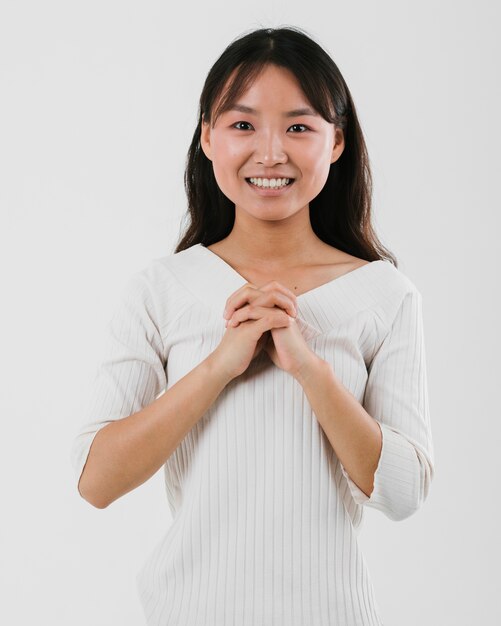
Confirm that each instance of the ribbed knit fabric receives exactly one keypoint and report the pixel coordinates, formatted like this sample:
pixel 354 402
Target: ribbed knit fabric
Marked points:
pixel 265 517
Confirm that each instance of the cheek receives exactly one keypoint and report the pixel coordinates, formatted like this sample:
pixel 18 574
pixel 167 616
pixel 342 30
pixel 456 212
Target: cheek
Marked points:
pixel 316 152
pixel 225 154
pixel 226 168
pixel 315 160
pixel 220 156
pixel 221 177
pixel 315 170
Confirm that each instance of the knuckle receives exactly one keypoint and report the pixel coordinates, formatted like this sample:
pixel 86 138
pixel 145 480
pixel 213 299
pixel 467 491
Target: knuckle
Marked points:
pixel 270 287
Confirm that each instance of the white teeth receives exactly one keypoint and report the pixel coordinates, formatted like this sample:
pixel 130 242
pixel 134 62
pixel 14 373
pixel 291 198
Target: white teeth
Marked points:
pixel 270 182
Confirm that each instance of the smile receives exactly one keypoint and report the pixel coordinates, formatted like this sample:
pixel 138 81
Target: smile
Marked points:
pixel 270 186
pixel 272 183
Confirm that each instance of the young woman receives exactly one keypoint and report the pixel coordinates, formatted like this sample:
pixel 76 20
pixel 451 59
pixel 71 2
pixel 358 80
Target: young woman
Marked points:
pixel 290 351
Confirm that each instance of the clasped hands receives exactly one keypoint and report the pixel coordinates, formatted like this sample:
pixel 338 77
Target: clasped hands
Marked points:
pixel 264 318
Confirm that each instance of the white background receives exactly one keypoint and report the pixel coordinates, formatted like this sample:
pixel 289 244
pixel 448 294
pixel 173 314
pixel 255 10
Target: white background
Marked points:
pixel 98 105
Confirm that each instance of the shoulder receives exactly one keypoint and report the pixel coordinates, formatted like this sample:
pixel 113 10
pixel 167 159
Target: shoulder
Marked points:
pixel 391 289
pixel 168 284
pixel 156 289
pixel 398 279
pixel 164 272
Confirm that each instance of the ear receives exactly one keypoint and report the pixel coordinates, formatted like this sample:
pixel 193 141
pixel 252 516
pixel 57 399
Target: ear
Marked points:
pixel 338 147
pixel 205 138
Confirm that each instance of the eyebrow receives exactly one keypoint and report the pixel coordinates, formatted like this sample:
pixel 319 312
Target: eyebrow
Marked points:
pixel 294 113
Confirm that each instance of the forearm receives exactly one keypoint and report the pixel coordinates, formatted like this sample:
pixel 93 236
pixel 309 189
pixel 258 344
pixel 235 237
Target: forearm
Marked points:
pixel 128 451
pixel 354 435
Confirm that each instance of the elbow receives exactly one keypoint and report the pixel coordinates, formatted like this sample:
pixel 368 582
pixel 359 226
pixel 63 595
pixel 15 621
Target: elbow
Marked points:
pixel 90 484
pixel 97 503
pixel 90 496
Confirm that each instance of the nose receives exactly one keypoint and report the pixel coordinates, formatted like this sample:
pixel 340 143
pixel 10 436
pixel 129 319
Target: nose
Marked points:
pixel 269 148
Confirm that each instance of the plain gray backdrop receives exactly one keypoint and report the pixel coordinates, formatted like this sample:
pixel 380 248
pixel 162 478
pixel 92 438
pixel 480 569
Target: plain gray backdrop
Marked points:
pixel 98 105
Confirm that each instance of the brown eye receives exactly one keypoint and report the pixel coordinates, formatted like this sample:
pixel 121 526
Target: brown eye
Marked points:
pixel 234 125
pixel 295 125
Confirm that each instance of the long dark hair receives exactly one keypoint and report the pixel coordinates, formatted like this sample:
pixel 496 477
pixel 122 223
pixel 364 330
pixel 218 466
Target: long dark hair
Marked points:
pixel 340 214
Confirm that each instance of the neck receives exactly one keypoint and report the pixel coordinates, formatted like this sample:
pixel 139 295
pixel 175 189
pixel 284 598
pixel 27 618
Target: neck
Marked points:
pixel 272 243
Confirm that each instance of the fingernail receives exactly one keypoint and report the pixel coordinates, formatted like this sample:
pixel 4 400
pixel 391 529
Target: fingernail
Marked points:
pixel 225 312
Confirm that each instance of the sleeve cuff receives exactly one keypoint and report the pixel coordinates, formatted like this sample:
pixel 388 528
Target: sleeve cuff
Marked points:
pixel 80 451
pixel 395 473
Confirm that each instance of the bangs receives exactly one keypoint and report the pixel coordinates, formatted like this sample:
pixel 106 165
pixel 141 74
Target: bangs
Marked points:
pixel 244 76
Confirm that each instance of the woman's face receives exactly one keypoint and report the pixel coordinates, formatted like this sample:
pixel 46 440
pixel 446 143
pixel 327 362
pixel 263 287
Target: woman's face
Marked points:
pixel 269 137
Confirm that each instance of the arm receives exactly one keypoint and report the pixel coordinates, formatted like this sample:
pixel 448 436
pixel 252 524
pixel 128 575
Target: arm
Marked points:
pixel 126 452
pixel 392 470
pixel 354 435
pixel 129 429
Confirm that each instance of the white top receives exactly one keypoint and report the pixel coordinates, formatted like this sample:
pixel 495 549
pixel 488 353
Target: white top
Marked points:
pixel 265 518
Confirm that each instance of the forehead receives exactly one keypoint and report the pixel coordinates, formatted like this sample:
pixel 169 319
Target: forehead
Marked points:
pixel 245 83
pixel 266 76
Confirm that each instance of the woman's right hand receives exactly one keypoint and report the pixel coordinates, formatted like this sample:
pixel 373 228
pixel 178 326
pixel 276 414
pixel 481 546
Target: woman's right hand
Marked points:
pixel 270 306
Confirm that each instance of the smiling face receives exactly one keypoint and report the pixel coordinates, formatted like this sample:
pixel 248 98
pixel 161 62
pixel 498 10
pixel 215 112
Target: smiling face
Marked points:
pixel 271 134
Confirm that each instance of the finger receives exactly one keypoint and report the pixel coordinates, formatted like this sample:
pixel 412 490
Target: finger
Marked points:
pixel 278 299
pixel 259 306
pixel 241 295
pixel 247 313
pixel 278 319
pixel 278 294
pixel 274 284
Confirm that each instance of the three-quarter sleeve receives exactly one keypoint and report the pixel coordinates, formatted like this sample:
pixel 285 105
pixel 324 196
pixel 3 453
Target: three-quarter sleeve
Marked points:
pixel 131 372
pixel 396 396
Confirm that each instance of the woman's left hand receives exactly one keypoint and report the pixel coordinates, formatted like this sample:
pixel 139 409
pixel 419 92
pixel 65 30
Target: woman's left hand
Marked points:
pixel 286 346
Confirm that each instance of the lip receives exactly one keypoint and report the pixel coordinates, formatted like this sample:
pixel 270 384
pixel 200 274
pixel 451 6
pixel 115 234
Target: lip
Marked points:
pixel 270 176
pixel 269 191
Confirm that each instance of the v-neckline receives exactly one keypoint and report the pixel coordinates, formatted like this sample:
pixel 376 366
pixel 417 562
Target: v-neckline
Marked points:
pixel 305 294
